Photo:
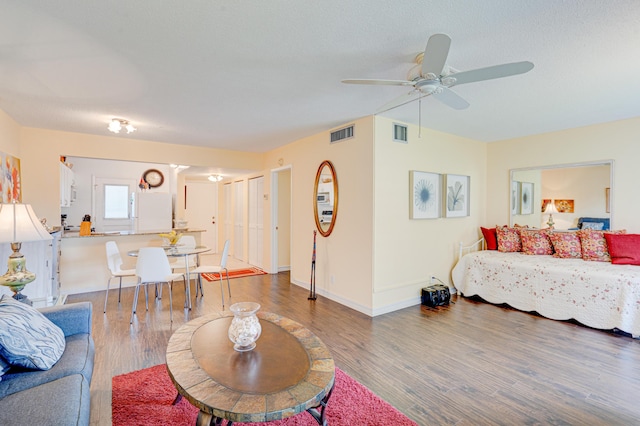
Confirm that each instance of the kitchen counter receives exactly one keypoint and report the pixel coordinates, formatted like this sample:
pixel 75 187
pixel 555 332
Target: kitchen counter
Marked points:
pixel 83 260
pixel 76 234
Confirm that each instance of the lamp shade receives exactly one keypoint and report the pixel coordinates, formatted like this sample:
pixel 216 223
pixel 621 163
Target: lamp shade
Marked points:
pixel 551 208
pixel 19 223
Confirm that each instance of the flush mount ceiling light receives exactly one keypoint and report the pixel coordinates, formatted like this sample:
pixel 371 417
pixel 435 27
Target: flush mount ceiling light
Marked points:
pixel 178 167
pixel 215 178
pixel 118 124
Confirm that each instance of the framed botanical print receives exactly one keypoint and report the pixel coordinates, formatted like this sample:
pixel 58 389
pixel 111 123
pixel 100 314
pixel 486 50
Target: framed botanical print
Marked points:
pixel 515 197
pixel 526 198
pixel 457 193
pixel 424 195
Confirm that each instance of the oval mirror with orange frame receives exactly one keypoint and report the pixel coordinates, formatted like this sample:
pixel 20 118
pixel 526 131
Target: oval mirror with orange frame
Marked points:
pixel 325 198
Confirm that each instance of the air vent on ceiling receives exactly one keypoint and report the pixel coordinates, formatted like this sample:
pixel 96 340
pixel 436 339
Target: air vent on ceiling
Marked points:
pixel 399 133
pixel 342 134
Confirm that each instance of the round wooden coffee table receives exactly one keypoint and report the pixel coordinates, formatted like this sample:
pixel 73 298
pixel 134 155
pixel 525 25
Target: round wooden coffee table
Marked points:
pixel 289 371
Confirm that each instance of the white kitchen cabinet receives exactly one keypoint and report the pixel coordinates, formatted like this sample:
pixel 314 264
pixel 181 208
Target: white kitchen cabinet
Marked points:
pixel 67 186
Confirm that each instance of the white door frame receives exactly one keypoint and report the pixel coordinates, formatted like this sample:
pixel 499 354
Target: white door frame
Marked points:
pixel 274 214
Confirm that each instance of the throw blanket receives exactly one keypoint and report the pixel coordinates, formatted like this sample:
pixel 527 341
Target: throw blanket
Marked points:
pixel 597 294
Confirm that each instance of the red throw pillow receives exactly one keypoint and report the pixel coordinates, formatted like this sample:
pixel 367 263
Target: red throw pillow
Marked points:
pixel 624 248
pixel 490 238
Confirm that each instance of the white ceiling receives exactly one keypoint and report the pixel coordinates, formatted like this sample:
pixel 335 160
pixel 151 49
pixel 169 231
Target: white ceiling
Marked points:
pixel 255 75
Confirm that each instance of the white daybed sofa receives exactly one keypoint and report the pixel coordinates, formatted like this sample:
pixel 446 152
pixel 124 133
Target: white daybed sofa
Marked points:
pixel 597 294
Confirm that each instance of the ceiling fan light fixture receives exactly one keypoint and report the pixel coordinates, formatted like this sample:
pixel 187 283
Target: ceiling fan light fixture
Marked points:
pixel 448 81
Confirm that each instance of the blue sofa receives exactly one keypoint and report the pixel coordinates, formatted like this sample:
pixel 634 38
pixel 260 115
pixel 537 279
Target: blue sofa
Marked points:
pixel 60 395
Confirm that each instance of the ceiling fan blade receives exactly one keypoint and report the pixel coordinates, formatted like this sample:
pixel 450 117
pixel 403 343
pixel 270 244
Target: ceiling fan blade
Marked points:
pixel 435 54
pixel 451 98
pixel 414 95
pixel 488 73
pixel 380 82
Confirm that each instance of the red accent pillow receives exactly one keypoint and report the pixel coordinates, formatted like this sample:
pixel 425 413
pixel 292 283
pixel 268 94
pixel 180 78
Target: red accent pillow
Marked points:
pixel 490 238
pixel 624 248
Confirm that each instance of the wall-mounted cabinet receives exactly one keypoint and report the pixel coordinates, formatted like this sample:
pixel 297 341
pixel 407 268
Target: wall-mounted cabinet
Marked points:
pixel 67 186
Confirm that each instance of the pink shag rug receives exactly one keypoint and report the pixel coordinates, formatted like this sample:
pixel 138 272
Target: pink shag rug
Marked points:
pixel 144 397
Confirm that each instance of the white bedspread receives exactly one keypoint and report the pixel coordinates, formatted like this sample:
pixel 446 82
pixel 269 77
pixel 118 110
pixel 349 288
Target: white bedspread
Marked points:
pixel 597 294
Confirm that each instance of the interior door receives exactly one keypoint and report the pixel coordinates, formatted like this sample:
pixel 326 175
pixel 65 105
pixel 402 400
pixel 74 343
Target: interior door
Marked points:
pixel 201 211
pixel 228 219
pixel 237 246
pixel 256 221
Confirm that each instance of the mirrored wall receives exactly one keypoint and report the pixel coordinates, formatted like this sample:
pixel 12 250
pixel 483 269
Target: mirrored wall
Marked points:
pixel 576 190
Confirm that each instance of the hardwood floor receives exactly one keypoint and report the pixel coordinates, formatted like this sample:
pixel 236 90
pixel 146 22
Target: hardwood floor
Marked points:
pixel 469 363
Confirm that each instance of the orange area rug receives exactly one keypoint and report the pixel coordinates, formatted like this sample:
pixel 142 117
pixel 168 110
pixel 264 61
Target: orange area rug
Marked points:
pixel 235 273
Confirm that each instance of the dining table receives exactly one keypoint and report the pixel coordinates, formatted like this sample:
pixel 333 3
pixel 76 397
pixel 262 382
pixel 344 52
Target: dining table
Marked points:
pixel 181 251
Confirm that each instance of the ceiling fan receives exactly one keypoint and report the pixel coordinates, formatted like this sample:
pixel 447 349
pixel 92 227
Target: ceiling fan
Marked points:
pixel 433 78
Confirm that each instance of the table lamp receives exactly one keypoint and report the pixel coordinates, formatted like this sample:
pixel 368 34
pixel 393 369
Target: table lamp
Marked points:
pixel 18 224
pixel 550 210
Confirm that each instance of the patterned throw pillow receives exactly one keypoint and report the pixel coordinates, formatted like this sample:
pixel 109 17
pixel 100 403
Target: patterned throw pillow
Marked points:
pixel 566 245
pixel 594 246
pixel 508 239
pixel 535 242
pixel 28 338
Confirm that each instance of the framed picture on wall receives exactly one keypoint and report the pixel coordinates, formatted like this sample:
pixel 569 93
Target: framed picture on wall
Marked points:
pixel 425 196
pixel 526 198
pixel 456 196
pixel 515 197
pixel 10 179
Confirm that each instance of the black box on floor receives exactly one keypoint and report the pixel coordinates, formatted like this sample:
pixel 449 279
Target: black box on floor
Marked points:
pixel 436 295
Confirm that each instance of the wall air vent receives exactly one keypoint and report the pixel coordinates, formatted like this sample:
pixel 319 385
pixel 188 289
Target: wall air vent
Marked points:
pixel 342 134
pixel 400 133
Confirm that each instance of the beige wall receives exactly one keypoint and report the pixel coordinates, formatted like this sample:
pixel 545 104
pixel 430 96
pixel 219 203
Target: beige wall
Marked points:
pixel 9 135
pixel 408 251
pixel 618 141
pixel 284 219
pixel 344 259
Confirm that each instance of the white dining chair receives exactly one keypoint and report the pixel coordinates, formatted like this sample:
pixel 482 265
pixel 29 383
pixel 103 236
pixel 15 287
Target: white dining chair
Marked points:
pixel 212 269
pixel 153 267
pixel 114 263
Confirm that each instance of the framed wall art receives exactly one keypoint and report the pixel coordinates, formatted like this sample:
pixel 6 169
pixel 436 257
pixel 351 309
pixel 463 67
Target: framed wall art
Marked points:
pixel 456 196
pixel 424 194
pixel 526 198
pixel 10 179
pixel 515 197
pixel 564 206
